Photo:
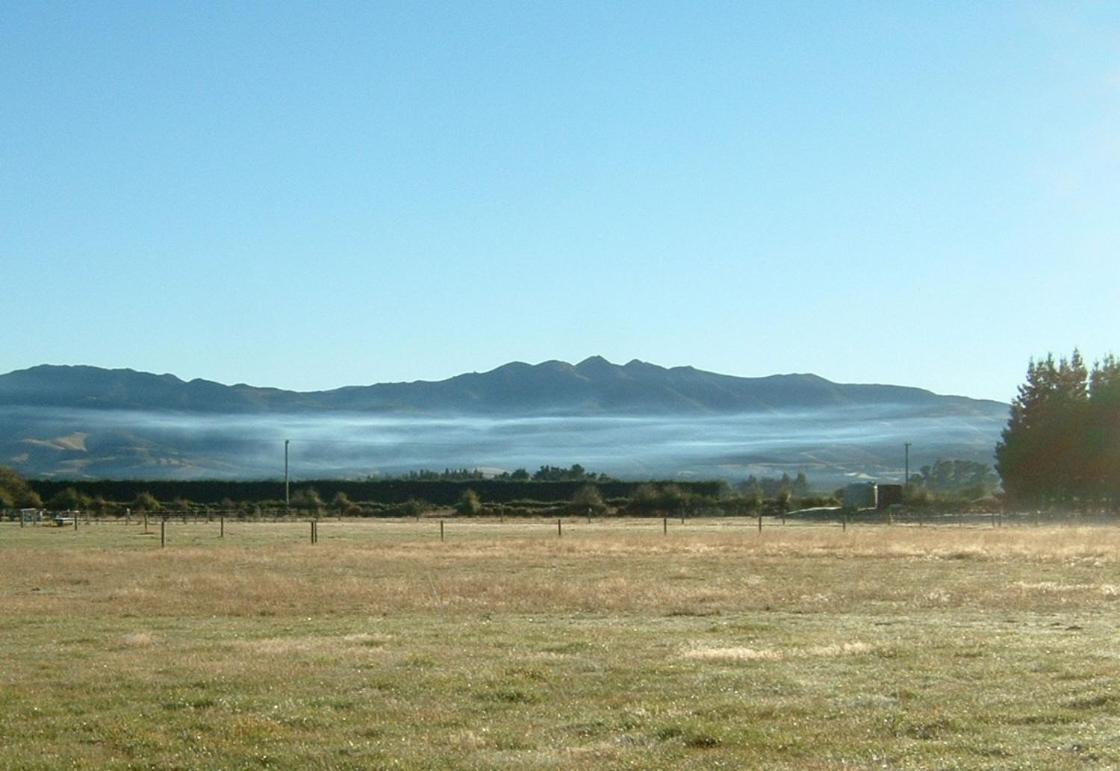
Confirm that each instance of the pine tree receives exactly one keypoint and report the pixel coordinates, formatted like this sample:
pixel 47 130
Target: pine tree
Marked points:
pixel 1046 452
pixel 1104 430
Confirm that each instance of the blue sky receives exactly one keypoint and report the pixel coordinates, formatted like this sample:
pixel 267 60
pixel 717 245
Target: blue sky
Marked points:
pixel 320 194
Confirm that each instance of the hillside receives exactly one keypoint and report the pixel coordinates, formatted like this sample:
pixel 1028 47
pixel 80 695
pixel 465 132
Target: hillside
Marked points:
pixel 592 387
pixel 633 421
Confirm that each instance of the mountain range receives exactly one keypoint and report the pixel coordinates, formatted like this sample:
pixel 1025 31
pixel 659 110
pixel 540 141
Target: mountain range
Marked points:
pixel 592 387
pixel 636 418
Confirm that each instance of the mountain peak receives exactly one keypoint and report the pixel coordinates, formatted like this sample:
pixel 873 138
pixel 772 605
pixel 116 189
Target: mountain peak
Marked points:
pixel 595 364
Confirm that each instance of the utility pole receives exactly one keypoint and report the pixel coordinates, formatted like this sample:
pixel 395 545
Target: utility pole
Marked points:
pixel 906 481
pixel 287 496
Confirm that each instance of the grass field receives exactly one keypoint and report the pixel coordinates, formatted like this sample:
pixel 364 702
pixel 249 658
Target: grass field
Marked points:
pixel 616 645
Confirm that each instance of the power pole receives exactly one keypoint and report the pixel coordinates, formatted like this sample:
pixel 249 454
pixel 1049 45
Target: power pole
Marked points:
pixel 906 481
pixel 287 496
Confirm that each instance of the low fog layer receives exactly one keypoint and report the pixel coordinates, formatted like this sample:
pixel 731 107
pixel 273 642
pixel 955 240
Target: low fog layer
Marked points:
pixel 829 445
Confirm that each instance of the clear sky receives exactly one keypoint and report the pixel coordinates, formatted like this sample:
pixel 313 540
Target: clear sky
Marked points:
pixel 309 195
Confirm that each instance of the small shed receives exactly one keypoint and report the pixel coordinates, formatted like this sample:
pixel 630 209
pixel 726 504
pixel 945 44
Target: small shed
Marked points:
pixel 888 495
pixel 861 495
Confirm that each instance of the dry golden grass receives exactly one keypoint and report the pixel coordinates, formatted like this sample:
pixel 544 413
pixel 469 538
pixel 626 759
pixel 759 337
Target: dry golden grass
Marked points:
pixel 613 646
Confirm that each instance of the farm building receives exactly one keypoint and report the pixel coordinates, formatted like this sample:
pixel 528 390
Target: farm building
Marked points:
pixel 888 495
pixel 861 495
pixel 871 495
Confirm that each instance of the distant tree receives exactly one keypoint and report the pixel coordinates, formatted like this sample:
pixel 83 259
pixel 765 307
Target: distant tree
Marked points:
pixel 15 492
pixel 673 498
pixel 752 494
pixel 782 499
pixel 414 507
pixel 644 499
pixel 771 487
pixel 800 486
pixel 963 478
pixel 666 499
pixel 454 475
pixel 588 498
pixel 561 474
pixel 67 499
pixel 341 503
pixel 469 503
pixel 145 501
pixel 307 499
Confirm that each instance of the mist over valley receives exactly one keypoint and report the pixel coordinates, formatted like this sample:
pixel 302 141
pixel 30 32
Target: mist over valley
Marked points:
pixel 634 421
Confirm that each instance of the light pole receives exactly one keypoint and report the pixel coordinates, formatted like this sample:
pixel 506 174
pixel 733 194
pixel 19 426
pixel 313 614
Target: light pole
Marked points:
pixel 287 497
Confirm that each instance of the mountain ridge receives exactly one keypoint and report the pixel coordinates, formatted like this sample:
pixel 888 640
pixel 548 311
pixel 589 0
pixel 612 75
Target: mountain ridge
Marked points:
pixel 634 421
pixel 590 387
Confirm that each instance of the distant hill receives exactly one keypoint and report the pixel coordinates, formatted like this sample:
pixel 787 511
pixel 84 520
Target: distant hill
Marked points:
pixel 634 421
pixel 592 387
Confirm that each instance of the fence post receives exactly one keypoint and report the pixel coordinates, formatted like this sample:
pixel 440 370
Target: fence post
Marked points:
pixel 77 514
pixel 665 525
pixel 441 530
pixel 222 526
pixel 162 534
pixel 559 527
pixel 760 522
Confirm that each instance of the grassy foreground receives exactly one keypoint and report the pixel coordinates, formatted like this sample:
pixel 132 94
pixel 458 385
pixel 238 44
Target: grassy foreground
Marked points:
pixel 506 646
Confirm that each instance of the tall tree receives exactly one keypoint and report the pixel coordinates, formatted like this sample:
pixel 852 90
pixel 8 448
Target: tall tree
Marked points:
pixel 1104 429
pixel 1044 454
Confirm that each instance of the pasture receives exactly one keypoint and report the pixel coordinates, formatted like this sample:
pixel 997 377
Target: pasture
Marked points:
pixel 616 645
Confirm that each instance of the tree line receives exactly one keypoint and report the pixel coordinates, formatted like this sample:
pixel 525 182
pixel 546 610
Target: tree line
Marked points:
pixel 1062 440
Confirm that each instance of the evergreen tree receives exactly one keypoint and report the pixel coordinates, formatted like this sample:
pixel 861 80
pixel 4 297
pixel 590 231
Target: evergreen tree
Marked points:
pixel 1045 454
pixel 469 503
pixel 1104 430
